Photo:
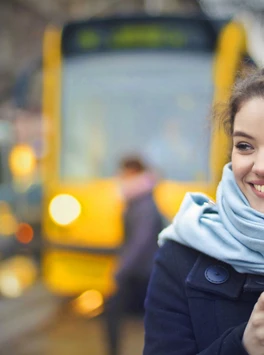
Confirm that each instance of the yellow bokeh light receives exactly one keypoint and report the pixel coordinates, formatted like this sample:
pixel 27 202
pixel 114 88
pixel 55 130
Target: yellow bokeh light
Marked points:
pixel 16 275
pixel 10 285
pixel 89 303
pixel 8 222
pixel 64 209
pixel 22 160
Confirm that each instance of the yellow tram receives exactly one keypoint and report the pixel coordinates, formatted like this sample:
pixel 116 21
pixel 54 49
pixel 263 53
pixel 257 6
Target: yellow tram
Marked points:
pixel 119 85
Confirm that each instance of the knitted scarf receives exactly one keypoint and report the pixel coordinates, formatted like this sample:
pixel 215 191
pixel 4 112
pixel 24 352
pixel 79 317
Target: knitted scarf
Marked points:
pixel 230 230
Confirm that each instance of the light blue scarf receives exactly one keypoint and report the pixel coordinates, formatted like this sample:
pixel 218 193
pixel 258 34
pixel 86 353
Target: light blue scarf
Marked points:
pixel 230 230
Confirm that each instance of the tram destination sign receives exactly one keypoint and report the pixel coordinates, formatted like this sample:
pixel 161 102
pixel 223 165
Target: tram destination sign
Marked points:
pixel 138 33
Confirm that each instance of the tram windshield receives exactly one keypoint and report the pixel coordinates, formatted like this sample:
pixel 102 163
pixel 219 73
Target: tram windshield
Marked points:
pixel 152 103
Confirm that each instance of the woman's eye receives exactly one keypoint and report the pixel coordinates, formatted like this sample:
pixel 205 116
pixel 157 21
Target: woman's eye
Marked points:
pixel 243 146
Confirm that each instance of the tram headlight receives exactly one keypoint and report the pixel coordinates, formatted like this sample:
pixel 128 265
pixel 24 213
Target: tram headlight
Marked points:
pixel 64 209
pixel 89 304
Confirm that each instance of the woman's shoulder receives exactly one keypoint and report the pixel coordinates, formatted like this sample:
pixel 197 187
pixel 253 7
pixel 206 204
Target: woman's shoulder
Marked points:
pixel 178 259
pixel 175 252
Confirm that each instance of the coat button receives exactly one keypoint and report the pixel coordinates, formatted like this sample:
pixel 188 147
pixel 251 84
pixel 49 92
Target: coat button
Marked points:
pixel 216 274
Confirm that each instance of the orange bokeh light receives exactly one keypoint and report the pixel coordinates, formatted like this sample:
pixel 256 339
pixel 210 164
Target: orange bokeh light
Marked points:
pixel 24 233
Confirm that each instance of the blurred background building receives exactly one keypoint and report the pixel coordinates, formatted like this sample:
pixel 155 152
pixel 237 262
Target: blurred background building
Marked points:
pixel 23 22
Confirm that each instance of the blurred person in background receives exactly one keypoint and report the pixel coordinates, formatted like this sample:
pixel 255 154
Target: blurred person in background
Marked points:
pixel 142 224
pixel 206 292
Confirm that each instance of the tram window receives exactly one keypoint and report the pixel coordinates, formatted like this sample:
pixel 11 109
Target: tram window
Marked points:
pixel 155 104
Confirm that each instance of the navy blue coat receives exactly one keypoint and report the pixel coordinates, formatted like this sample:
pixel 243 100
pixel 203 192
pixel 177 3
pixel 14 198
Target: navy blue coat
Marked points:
pixel 196 304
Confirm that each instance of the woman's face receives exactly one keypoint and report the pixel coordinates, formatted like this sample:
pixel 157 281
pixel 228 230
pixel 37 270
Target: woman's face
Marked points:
pixel 248 151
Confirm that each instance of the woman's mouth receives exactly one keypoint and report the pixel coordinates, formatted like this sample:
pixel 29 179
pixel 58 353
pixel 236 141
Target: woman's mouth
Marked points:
pixel 257 189
pixel 260 188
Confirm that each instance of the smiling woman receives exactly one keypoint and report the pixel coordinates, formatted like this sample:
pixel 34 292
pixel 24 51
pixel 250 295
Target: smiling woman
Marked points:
pixel 206 291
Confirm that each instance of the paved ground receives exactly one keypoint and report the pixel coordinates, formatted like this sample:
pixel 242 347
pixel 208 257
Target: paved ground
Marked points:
pixel 76 336
pixel 61 331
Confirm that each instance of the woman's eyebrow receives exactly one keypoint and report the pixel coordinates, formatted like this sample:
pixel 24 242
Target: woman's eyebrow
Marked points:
pixel 242 134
